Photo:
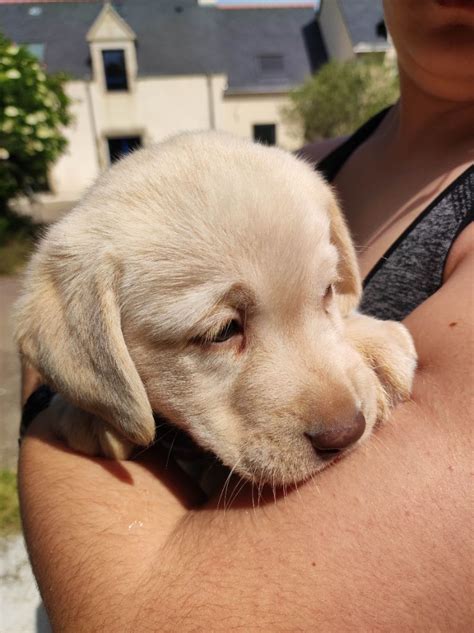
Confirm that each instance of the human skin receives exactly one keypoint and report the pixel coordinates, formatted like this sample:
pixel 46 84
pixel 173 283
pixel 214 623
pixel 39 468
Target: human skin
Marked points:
pixel 379 542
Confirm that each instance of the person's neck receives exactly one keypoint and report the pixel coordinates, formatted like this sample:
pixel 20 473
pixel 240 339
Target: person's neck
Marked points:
pixel 436 122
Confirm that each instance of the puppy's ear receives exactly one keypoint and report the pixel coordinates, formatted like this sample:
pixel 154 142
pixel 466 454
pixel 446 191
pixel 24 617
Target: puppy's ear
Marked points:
pixel 69 328
pixel 349 287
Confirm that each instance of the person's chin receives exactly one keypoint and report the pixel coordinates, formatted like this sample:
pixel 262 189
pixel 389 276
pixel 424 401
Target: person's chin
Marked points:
pixel 463 5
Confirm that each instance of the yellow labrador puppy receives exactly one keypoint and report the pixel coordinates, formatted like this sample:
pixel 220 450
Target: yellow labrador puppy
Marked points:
pixel 213 281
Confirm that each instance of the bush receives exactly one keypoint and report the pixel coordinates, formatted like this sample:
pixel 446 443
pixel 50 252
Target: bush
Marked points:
pixel 33 111
pixel 341 97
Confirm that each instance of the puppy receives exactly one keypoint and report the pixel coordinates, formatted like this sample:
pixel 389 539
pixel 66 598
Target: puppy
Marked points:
pixel 213 281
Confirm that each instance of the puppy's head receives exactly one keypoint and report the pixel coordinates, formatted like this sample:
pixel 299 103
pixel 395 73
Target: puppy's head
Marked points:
pixel 206 279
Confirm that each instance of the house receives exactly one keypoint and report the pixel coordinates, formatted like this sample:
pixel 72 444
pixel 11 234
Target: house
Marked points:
pixel 353 27
pixel 141 70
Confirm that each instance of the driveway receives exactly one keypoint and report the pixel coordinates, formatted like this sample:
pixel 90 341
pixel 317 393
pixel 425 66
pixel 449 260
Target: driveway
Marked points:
pixel 9 375
pixel 21 610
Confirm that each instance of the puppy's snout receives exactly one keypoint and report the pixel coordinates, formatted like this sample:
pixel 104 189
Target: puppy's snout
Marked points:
pixel 327 442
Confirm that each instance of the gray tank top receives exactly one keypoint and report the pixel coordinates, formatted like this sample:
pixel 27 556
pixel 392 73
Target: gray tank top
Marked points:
pixel 412 268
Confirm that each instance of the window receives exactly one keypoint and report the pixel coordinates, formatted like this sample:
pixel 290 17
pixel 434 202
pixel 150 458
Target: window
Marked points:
pixel 381 29
pixel 271 64
pixel 115 70
pixel 121 146
pixel 265 133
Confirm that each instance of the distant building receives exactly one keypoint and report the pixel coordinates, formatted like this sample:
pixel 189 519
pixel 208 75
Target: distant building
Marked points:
pixel 353 27
pixel 142 70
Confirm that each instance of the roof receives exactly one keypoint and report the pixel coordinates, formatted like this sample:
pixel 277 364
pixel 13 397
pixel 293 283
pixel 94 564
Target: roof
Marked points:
pixel 180 38
pixel 361 18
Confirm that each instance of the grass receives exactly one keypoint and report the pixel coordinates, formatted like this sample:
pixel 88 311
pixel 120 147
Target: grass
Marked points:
pixel 9 506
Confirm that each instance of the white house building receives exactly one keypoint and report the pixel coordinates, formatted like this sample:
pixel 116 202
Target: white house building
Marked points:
pixel 353 27
pixel 142 70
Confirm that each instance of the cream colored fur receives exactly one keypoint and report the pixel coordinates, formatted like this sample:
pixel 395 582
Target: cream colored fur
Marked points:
pixel 124 294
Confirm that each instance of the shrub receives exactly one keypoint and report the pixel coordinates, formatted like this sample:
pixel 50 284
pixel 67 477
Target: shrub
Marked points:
pixel 340 97
pixel 33 112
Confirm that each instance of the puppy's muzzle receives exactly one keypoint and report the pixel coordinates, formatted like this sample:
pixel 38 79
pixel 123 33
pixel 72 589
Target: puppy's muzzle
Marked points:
pixel 328 442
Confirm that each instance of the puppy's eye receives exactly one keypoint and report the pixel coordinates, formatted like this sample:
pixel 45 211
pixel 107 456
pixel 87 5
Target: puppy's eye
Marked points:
pixel 328 296
pixel 230 329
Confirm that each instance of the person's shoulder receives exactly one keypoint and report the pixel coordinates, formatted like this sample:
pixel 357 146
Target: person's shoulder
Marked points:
pixel 314 152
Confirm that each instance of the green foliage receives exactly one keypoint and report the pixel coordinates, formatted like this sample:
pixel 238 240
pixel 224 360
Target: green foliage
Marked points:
pixel 16 226
pixel 18 235
pixel 14 255
pixel 9 507
pixel 33 112
pixel 341 97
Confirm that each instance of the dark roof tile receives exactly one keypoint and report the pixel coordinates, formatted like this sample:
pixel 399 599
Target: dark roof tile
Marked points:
pixel 179 37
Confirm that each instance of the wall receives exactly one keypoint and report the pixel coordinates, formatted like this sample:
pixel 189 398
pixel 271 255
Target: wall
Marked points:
pixel 334 31
pixel 157 107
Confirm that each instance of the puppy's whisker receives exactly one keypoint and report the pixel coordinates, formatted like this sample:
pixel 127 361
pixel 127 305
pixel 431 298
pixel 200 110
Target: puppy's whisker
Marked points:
pixel 253 500
pixel 314 484
pixel 223 493
pixel 378 444
pixel 171 449
pixel 260 490
pixel 237 489
pixel 160 426
pixel 295 483
pixel 225 487
pixel 274 487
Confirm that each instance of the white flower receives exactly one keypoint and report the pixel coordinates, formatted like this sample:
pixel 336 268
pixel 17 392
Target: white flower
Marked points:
pixel 11 111
pixel 7 126
pixel 43 132
pixel 13 73
pixel 5 60
pixel 34 146
pixel 4 154
pixel 35 117
pixel 12 50
pixel 26 130
pixel 41 76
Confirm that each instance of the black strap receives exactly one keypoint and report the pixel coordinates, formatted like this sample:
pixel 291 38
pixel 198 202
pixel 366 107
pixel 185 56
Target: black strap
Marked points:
pixel 37 402
pixel 330 165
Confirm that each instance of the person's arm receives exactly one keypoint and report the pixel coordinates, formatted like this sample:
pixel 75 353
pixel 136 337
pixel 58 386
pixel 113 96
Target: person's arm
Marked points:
pixel 379 542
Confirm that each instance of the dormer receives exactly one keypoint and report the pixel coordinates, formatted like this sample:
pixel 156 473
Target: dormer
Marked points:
pixel 113 52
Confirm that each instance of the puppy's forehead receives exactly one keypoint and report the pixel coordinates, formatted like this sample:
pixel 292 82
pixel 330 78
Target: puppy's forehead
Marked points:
pixel 212 209
pixel 209 181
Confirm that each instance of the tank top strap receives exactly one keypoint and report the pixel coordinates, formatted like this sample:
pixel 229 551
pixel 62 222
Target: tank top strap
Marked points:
pixel 330 165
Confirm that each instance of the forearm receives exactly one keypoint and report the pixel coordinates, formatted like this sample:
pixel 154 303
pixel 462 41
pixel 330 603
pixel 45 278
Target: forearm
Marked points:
pixel 92 528
pixel 377 543
pixel 378 540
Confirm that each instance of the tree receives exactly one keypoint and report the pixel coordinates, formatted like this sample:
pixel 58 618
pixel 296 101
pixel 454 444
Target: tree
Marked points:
pixel 341 97
pixel 33 112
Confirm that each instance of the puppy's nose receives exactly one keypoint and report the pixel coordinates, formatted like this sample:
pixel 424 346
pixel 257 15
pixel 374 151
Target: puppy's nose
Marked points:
pixel 327 442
